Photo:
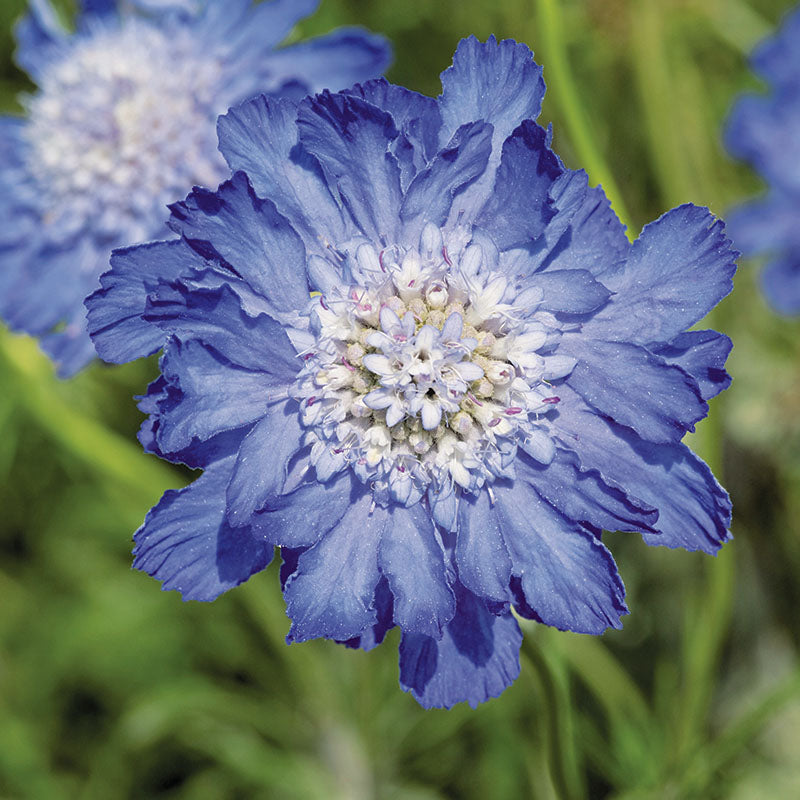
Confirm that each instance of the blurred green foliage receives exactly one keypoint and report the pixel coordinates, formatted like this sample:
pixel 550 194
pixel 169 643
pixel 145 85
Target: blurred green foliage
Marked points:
pixel 111 689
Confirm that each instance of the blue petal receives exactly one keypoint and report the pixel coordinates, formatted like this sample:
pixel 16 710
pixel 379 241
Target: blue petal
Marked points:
pixel 781 282
pixel 290 556
pixel 766 225
pixel 31 304
pixel 263 462
pixel 595 239
pixel 98 8
pixel 12 141
pixel 763 130
pixel 256 30
pixel 568 579
pixel 476 659
pixel 496 82
pixel 334 61
pixel 247 236
pixel 211 278
pixel 351 139
pixel 211 395
pixel 160 401
pixel 215 317
pixel 519 208
pixel 40 302
pixel 569 291
pixel 481 557
pixel 702 354
pixel 411 557
pixel 332 591
pixel 186 543
pixel 666 402
pixel 778 58
pixel 38 33
pixel 260 137
pixel 583 233
pixel 582 496
pixel 115 311
pixel 70 348
pixel 217 20
pixel 302 517
pixel 383 608
pixel 415 115
pixel 694 510
pixel 444 507
pixel 680 267
pixel 431 194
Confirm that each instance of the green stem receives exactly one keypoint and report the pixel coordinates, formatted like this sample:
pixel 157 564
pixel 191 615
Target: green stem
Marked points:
pixel 568 98
pixel 604 676
pixel 113 457
pixel 554 680
pixel 666 92
pixel 740 734
pixel 655 84
pixel 736 23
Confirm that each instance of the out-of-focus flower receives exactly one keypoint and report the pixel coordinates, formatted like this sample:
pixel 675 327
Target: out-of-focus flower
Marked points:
pixel 488 375
pixel 122 122
pixel 764 130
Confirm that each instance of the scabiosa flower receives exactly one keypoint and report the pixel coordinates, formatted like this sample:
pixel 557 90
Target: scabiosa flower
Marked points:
pixel 487 375
pixel 122 123
pixel 764 129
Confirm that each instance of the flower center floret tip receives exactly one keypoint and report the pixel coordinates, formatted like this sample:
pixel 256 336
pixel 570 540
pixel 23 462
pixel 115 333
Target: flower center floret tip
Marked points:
pixel 427 370
pixel 125 119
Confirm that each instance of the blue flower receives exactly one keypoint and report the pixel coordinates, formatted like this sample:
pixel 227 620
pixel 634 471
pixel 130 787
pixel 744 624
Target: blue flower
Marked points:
pixel 487 375
pixel 764 130
pixel 122 123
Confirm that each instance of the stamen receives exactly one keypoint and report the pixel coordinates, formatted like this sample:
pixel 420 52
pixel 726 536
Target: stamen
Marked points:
pixel 446 257
pixel 426 420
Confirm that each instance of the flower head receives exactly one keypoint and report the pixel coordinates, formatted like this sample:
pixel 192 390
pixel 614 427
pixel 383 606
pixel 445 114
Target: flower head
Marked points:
pixel 123 121
pixel 764 130
pixel 486 375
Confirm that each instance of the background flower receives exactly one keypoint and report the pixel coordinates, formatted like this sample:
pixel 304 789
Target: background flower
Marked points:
pixel 114 689
pixel 764 129
pixel 122 120
pixel 491 375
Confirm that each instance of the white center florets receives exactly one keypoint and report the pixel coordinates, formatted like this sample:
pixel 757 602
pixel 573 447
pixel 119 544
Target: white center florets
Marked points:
pixel 432 370
pixel 122 124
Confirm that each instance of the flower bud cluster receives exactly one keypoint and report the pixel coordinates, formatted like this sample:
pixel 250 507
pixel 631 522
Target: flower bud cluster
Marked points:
pixel 427 372
pixel 115 128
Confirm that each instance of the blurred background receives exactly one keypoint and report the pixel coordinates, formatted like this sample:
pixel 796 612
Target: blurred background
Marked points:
pixel 110 688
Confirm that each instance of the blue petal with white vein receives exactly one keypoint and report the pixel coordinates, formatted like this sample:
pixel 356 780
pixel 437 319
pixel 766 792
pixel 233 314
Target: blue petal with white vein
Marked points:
pixel 418 354
pixel 122 123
